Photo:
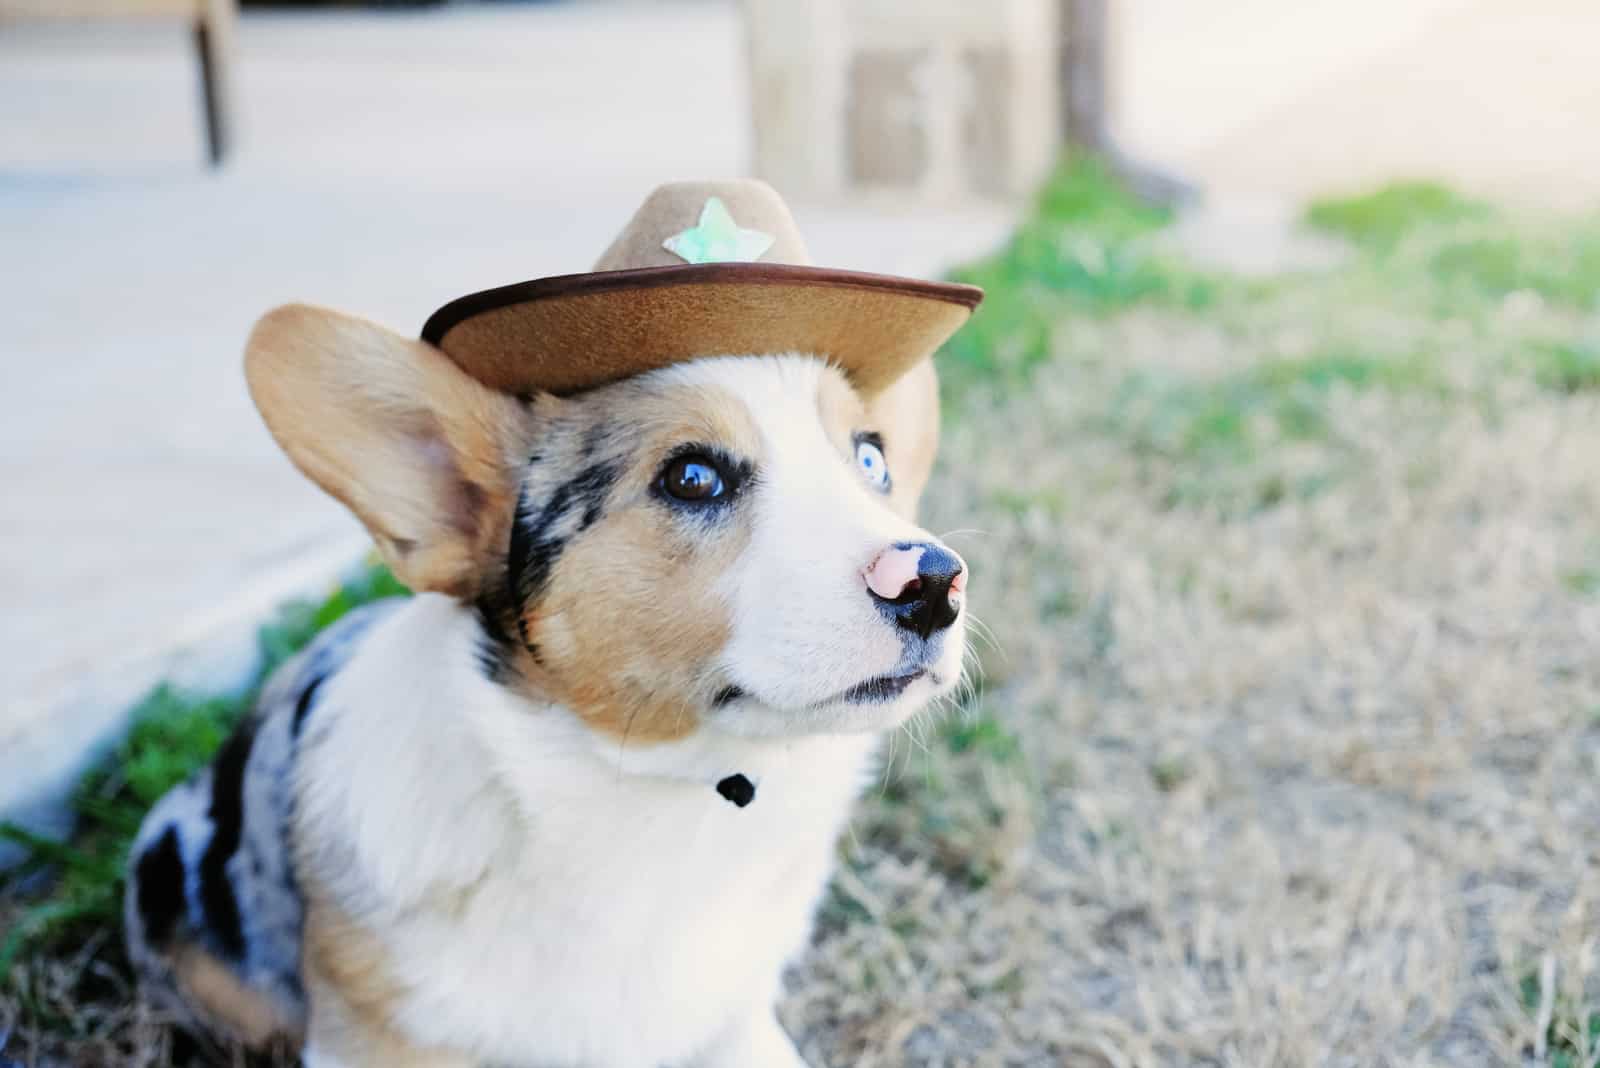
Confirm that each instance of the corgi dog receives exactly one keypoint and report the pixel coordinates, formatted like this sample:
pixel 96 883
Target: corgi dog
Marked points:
pixel 573 805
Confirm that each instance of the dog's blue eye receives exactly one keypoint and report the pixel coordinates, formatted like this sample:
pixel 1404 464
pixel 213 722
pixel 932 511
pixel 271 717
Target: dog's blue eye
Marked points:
pixel 874 468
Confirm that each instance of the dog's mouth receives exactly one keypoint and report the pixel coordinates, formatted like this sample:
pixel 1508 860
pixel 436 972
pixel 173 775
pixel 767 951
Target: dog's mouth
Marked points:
pixel 878 690
pixel 874 691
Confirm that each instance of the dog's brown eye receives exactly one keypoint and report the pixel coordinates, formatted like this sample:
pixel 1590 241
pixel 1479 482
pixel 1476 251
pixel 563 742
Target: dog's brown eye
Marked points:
pixel 693 478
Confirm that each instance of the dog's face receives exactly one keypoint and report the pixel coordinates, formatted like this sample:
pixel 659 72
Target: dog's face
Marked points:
pixel 723 543
pixel 718 542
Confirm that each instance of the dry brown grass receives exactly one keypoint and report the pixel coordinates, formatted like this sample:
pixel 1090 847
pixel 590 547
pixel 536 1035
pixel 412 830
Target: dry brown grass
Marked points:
pixel 1290 753
pixel 79 1009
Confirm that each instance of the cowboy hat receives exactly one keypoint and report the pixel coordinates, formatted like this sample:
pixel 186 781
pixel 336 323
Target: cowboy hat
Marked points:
pixel 703 269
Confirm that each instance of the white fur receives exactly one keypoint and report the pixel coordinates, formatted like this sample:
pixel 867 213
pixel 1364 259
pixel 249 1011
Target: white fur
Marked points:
pixel 606 907
pixel 614 918
pixel 805 628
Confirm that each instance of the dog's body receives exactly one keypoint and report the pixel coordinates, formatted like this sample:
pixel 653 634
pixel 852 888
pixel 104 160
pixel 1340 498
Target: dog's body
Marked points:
pixel 576 806
pixel 602 918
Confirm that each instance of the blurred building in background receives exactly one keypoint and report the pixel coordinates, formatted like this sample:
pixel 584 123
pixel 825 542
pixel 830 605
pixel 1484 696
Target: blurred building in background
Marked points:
pixel 933 100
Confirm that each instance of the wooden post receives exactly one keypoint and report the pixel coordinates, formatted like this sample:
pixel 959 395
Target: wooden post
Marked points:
pixel 1085 95
pixel 213 39
pixel 1087 68
pixel 212 23
pixel 933 99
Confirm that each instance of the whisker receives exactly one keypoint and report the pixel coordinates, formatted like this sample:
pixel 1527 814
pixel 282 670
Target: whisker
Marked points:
pixel 972 674
pixel 985 632
pixel 888 767
pixel 975 620
pixel 622 745
pixel 914 733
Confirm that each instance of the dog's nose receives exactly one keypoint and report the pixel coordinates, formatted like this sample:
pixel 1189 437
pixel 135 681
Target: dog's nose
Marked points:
pixel 918 584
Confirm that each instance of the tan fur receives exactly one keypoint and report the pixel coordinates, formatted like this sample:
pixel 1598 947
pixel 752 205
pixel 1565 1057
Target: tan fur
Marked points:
pixel 613 629
pixel 340 951
pixel 907 414
pixel 425 456
pixel 843 413
pixel 226 1003
pixel 355 992
pixel 617 638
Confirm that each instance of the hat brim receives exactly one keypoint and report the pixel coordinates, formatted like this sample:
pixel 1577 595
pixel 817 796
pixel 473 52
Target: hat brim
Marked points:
pixel 574 332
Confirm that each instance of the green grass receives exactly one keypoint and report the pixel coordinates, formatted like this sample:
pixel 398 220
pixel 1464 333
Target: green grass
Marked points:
pixel 1584 581
pixel 983 735
pixel 1561 266
pixel 1050 500
pixel 1466 248
pixel 173 735
pixel 1224 438
pixel 1569 368
pixel 1572 1038
pixel 1429 278
pixel 1081 252
pixel 1249 409
pixel 1169 773
pixel 1381 219
pixel 942 799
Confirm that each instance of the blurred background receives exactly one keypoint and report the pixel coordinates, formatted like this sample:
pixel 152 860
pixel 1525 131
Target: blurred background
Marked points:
pixel 1275 450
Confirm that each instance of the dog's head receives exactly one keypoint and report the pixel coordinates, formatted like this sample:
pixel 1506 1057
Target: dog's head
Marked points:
pixel 721 543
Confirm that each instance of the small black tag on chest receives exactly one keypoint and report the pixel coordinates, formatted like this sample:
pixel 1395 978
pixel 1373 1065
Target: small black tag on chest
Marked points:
pixel 738 789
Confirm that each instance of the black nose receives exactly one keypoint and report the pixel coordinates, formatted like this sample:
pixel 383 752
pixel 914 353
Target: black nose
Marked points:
pixel 931 601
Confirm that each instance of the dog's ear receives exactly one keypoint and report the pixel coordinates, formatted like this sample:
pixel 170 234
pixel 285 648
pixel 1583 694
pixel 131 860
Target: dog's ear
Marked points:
pixel 425 456
pixel 907 413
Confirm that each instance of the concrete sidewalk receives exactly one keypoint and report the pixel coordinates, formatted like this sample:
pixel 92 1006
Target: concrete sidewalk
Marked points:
pixel 387 164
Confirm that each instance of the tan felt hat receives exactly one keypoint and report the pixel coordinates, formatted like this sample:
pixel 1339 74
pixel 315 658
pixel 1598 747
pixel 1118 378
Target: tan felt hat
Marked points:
pixel 703 269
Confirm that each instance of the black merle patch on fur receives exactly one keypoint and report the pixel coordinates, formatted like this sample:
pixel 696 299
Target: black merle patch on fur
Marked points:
pixel 302 707
pixel 519 558
pixel 495 650
pixel 159 880
pixel 738 789
pixel 227 829
pixel 186 1048
pixel 535 543
pixel 534 547
pixel 593 439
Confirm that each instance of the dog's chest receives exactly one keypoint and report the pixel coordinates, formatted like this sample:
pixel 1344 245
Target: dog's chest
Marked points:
pixel 635 921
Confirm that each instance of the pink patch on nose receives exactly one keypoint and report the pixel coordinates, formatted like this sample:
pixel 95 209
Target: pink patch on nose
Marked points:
pixel 893 570
pixel 959 583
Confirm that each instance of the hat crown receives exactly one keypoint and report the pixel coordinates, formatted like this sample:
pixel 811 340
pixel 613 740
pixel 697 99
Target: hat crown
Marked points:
pixel 707 222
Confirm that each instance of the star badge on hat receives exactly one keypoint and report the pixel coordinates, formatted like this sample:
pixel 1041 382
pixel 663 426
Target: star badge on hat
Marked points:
pixel 718 239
